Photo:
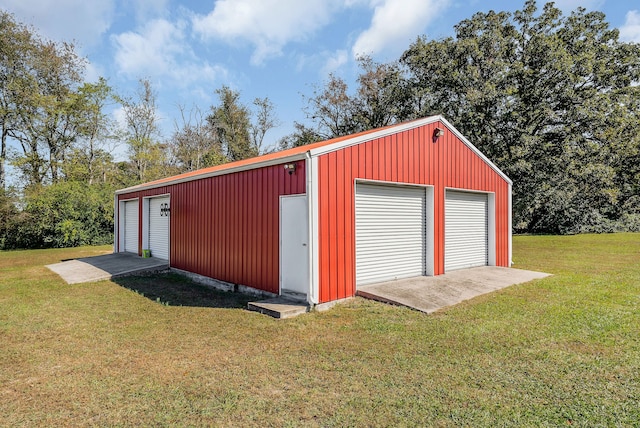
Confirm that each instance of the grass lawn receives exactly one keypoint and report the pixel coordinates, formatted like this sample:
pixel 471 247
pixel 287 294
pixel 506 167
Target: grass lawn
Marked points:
pixel 555 352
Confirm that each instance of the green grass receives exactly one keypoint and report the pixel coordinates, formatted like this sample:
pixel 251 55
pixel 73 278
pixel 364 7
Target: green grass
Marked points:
pixel 555 352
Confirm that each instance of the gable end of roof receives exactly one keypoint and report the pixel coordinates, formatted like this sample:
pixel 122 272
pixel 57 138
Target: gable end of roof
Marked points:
pixel 313 150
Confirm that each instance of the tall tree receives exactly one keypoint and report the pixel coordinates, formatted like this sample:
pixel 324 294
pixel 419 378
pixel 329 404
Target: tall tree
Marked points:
pixel 302 136
pixel 146 154
pixel 241 131
pixel 91 158
pixel 8 214
pixel 194 143
pixel 378 101
pixel 331 108
pixel 55 121
pixel 17 46
pixel 57 129
pixel 231 122
pixel 535 91
pixel 264 120
pixel 39 103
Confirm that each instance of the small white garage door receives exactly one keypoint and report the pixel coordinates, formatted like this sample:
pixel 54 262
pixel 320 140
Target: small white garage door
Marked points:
pixel 131 226
pixel 465 229
pixel 159 227
pixel 390 233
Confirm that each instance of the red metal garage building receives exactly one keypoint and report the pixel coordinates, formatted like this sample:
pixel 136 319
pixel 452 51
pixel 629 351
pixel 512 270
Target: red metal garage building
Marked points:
pixel 317 221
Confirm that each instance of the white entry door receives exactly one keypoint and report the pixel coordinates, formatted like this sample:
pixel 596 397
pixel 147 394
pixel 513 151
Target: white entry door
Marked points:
pixel 294 245
pixel 131 226
pixel 159 227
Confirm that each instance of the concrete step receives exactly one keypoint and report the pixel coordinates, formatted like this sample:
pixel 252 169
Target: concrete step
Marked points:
pixel 279 307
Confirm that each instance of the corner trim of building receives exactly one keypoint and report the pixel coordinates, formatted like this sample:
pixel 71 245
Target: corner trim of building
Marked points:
pixel 116 225
pixel 314 234
pixel 510 225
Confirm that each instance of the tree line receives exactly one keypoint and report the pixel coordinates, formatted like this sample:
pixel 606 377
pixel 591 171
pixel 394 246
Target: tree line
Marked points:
pixel 551 99
pixel 64 137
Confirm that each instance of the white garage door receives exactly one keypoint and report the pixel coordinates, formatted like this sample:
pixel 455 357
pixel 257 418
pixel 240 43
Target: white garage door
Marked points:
pixel 390 233
pixel 159 227
pixel 465 229
pixel 131 226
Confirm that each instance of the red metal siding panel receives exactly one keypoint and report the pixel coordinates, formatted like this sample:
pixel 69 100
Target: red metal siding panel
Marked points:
pixel 350 251
pixel 340 221
pixel 414 157
pixel 369 158
pixel 361 153
pixel 227 227
pixel 410 157
pixel 390 160
pixel 323 229
pixel 375 156
pixel 332 229
pixel 250 233
pixel 450 158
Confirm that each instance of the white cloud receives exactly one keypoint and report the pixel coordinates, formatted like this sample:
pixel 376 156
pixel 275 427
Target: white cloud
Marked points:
pixel 324 62
pixel 268 25
pixel 335 61
pixel 630 31
pixel 83 21
pixel 92 72
pixel 120 117
pixel 160 49
pixel 395 24
pixel 153 48
pixel 146 9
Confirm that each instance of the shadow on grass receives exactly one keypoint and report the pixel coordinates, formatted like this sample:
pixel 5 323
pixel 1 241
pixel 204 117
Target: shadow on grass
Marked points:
pixel 175 290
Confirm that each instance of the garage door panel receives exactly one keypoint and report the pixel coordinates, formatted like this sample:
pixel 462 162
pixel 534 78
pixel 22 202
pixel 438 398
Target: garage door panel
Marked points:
pixel 159 227
pixel 390 232
pixel 466 231
pixel 397 251
pixel 399 266
pixel 131 226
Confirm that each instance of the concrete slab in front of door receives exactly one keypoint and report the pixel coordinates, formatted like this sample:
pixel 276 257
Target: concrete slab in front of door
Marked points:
pixel 98 268
pixel 431 293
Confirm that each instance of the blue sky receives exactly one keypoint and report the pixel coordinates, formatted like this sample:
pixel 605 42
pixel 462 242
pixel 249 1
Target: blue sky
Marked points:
pixel 263 48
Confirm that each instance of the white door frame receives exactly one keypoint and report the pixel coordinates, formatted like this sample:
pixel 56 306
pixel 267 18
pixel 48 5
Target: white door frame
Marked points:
pixel 121 224
pixel 429 190
pixel 146 221
pixel 491 221
pixel 294 249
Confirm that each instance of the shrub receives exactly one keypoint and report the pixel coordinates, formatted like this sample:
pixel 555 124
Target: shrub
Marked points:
pixel 65 214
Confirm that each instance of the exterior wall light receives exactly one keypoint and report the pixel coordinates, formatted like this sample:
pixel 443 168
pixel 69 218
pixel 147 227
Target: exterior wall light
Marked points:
pixel 438 132
pixel 290 167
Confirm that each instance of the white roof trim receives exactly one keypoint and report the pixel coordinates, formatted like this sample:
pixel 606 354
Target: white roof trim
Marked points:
pixel 394 129
pixel 405 127
pixel 225 171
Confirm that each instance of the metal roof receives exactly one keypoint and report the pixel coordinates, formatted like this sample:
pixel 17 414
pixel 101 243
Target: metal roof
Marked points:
pixel 313 149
